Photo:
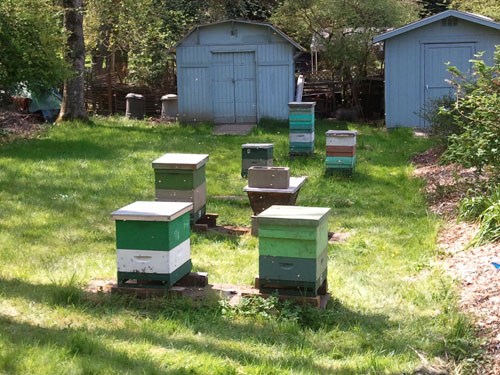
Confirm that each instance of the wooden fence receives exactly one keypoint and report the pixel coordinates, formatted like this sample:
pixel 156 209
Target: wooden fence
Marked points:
pixel 104 95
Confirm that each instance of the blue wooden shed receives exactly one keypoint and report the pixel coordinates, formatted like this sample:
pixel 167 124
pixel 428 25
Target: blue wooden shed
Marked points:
pixel 416 57
pixel 235 72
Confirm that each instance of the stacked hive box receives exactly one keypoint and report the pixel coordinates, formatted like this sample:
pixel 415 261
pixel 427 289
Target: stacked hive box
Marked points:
pixel 340 151
pixel 256 154
pixel 293 249
pixel 301 121
pixel 152 242
pixel 181 178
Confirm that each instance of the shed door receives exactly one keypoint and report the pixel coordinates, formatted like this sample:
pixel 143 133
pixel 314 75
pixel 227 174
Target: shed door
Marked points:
pixel 234 97
pixel 435 70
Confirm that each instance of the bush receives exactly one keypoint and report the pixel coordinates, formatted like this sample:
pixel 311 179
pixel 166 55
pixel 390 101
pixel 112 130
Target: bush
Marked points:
pixel 489 231
pixel 486 209
pixel 477 114
pixel 475 203
pixel 439 114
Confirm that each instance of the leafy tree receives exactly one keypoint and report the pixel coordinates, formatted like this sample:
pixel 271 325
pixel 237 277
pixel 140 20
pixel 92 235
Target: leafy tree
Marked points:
pixel 345 29
pixel 137 34
pixel 489 8
pixel 430 7
pixel 31 41
pixel 478 117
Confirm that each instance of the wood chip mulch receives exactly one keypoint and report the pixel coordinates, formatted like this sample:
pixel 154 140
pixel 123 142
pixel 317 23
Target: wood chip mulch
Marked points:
pixel 471 267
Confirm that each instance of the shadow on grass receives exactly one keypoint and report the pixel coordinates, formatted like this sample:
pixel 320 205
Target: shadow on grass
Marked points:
pixel 50 149
pixel 373 332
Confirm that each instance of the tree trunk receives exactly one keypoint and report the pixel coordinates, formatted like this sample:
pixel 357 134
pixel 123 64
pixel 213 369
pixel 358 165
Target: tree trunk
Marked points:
pixel 73 106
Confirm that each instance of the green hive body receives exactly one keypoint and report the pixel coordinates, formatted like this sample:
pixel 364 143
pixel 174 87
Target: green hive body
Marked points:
pixel 181 178
pixel 152 241
pixel 256 155
pixel 293 249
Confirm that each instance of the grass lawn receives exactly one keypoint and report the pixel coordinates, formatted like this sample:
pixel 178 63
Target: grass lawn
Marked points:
pixel 389 296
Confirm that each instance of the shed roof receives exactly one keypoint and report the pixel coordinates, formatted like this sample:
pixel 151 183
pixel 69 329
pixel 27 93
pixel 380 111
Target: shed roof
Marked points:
pixel 274 28
pixel 471 17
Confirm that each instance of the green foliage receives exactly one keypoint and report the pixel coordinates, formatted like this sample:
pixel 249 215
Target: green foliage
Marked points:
pixel 31 45
pixel 430 7
pixel 489 8
pixel 486 209
pixel 476 202
pixel 438 113
pixel 344 28
pixel 143 31
pixel 477 115
pixel 489 231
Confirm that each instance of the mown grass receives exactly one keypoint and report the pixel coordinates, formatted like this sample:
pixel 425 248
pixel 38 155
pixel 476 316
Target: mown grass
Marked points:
pixel 389 296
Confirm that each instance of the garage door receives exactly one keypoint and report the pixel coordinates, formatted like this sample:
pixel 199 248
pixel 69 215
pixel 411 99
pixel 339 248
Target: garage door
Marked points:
pixel 234 87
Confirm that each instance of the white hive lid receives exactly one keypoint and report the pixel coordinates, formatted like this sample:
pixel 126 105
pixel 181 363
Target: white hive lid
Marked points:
pixel 152 211
pixel 181 161
pixel 257 145
pixel 341 133
pixel 290 215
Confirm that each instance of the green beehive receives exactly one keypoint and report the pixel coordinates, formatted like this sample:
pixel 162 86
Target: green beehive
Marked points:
pixel 301 122
pixel 181 178
pixel 256 155
pixel 293 246
pixel 153 242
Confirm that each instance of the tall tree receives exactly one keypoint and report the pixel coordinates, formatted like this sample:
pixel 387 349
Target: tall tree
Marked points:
pixel 343 30
pixel 73 106
pixel 489 8
pixel 430 7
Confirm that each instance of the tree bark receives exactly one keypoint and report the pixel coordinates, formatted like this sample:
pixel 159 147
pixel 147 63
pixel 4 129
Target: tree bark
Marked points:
pixel 73 106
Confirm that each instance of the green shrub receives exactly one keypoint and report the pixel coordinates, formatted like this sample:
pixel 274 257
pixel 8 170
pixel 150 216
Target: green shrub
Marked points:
pixel 473 205
pixel 477 113
pixel 489 231
pixel 486 209
pixel 439 114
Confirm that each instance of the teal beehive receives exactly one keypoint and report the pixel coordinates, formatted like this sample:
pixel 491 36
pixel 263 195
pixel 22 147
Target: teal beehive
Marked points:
pixel 301 123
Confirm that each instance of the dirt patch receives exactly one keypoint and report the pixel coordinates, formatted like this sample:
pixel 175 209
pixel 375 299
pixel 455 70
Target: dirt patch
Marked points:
pixel 479 279
pixel 14 124
pixel 446 184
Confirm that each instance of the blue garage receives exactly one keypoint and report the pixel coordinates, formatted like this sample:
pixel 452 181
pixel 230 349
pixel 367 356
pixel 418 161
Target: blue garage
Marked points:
pixel 416 57
pixel 235 72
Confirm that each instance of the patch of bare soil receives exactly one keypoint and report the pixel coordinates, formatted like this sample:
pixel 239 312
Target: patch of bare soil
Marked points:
pixel 14 124
pixel 446 184
pixel 479 279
